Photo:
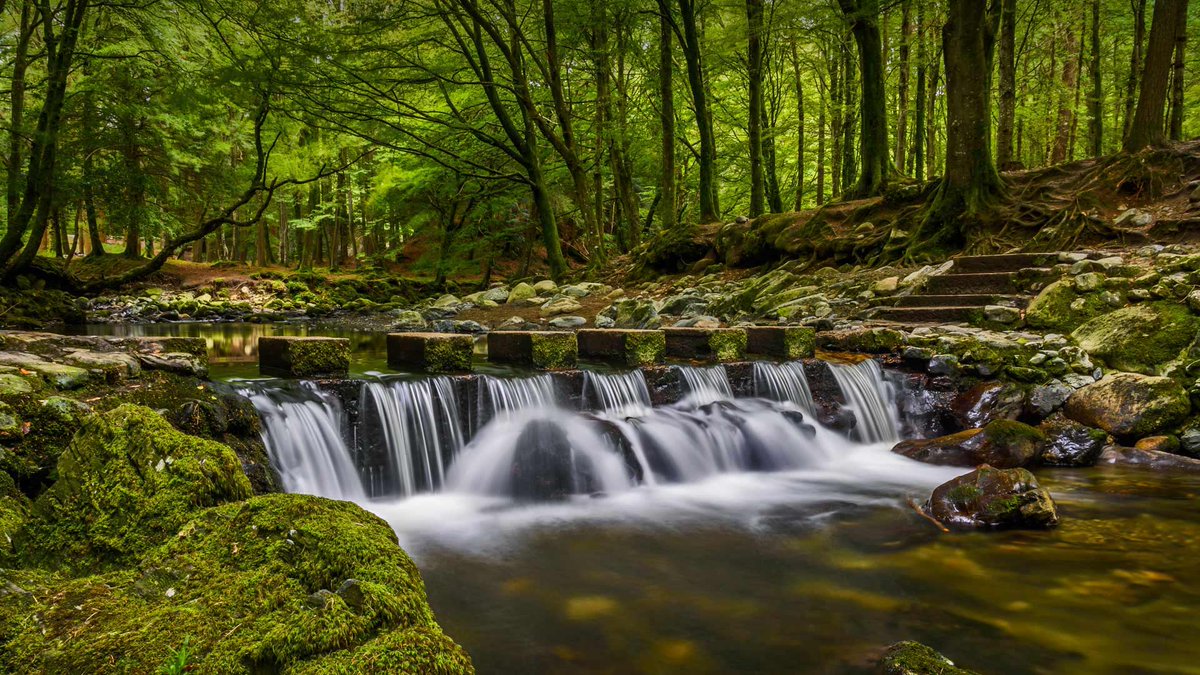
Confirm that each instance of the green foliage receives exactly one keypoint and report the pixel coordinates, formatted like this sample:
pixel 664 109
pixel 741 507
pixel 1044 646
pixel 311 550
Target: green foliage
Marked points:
pixel 177 661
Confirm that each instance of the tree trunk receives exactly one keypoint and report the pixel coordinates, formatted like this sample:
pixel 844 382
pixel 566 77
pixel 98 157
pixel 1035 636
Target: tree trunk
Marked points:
pixel 1177 82
pixel 849 106
pixel 1096 97
pixel 1136 58
pixel 1008 84
pixel 919 122
pixel 906 31
pixel 820 150
pixel 754 63
pixel 970 183
pixel 1066 112
pixel 666 95
pixel 695 71
pixel 800 136
pixel 1148 126
pixel 876 165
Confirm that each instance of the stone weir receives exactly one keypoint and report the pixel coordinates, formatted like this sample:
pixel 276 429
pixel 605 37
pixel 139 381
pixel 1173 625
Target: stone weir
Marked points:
pixel 924 401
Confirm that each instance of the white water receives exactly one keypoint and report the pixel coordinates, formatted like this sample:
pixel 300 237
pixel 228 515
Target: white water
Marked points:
pixel 305 440
pixel 704 385
pixel 420 427
pixel 503 395
pixel 619 393
pixel 872 399
pixel 783 382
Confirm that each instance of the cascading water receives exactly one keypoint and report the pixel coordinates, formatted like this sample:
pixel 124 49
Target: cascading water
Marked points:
pixel 783 382
pixel 872 400
pixel 622 393
pixel 418 425
pixel 705 385
pixel 497 395
pixel 304 433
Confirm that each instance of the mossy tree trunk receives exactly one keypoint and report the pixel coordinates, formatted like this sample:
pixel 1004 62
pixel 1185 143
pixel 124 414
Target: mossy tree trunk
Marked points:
pixel 876 163
pixel 1148 120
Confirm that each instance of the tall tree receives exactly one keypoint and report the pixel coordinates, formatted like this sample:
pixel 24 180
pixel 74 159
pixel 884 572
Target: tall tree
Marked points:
pixel 689 36
pixel 1136 59
pixel 1096 96
pixel 666 115
pixel 1008 83
pixel 754 67
pixel 1148 123
pixel 874 157
pixel 902 88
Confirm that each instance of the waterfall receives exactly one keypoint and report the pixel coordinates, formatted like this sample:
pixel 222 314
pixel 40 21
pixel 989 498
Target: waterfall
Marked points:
pixel 872 399
pixel 303 430
pixel 504 395
pixel 418 425
pixel 705 385
pixel 618 393
pixel 783 382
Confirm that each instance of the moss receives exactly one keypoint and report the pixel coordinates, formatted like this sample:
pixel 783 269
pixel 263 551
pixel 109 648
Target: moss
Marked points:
pixel 1141 338
pixel 127 481
pixel 279 583
pixel 449 354
pixel 304 357
pixel 1011 433
pixel 14 511
pixel 1060 308
pixel 914 658
pixel 964 494
pixel 554 350
pixel 645 348
pixel 799 342
pixel 727 344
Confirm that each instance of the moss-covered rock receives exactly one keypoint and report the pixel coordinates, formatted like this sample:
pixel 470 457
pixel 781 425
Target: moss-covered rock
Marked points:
pixel 304 356
pixel 1002 444
pixel 864 340
pixel 993 498
pixel 127 482
pixel 553 351
pixel 644 348
pixel 1071 444
pixel 1060 308
pixel 1130 406
pixel 1140 338
pixel 278 583
pixel 14 511
pixel 914 658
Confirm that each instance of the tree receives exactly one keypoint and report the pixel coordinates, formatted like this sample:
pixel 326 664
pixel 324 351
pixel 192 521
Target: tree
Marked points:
pixel 1148 123
pixel 754 63
pixel 876 165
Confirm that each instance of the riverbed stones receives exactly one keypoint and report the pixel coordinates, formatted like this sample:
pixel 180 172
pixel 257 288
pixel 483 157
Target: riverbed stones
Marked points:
pixel 706 344
pixel 545 350
pixel 1001 443
pixel 304 356
pixel 629 313
pixel 993 498
pixel 789 342
pixel 1129 405
pixel 626 346
pixel 430 352
pixel 562 304
pixel 520 293
pixel 1070 444
pixel 914 658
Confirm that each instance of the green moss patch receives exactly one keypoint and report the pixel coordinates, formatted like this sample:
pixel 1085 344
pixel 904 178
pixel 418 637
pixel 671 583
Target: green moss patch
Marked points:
pixel 1141 338
pixel 645 348
pixel 553 350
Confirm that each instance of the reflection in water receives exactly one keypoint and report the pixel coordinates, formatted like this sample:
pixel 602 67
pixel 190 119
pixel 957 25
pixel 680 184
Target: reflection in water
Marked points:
pixel 813 573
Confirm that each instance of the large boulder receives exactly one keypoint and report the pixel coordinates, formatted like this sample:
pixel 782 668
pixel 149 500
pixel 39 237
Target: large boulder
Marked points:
pixel 1128 405
pixel 914 658
pixel 993 498
pixel 1139 338
pixel 277 583
pixel 127 482
pixel 1070 443
pixel 1060 308
pixel 1002 443
pixel 520 292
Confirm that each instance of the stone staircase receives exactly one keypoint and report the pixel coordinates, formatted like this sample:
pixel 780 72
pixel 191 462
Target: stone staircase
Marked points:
pixel 972 286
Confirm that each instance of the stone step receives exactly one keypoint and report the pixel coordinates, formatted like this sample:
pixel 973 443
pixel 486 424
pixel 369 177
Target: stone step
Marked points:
pixel 303 356
pixel 984 283
pixel 965 300
pixel 1004 262
pixel 706 344
pixel 911 315
pixel 545 350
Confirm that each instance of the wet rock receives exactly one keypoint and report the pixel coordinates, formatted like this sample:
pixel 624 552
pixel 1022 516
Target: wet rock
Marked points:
pixel 914 658
pixel 994 499
pixel 1149 459
pixel 1002 314
pixel 1128 405
pixel 1139 338
pixel 986 402
pixel 1002 443
pixel 1167 444
pixel 544 467
pixel 1071 444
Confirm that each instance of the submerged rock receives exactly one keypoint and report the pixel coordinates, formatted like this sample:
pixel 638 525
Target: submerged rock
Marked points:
pixel 993 498
pixel 1002 443
pixel 1129 405
pixel 914 658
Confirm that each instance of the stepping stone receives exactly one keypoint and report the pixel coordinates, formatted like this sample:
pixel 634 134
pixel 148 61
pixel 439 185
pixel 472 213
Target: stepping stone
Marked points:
pixel 1004 262
pixel 711 344
pixel 545 350
pixel 789 342
pixel 628 346
pixel 304 356
pixel 430 352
